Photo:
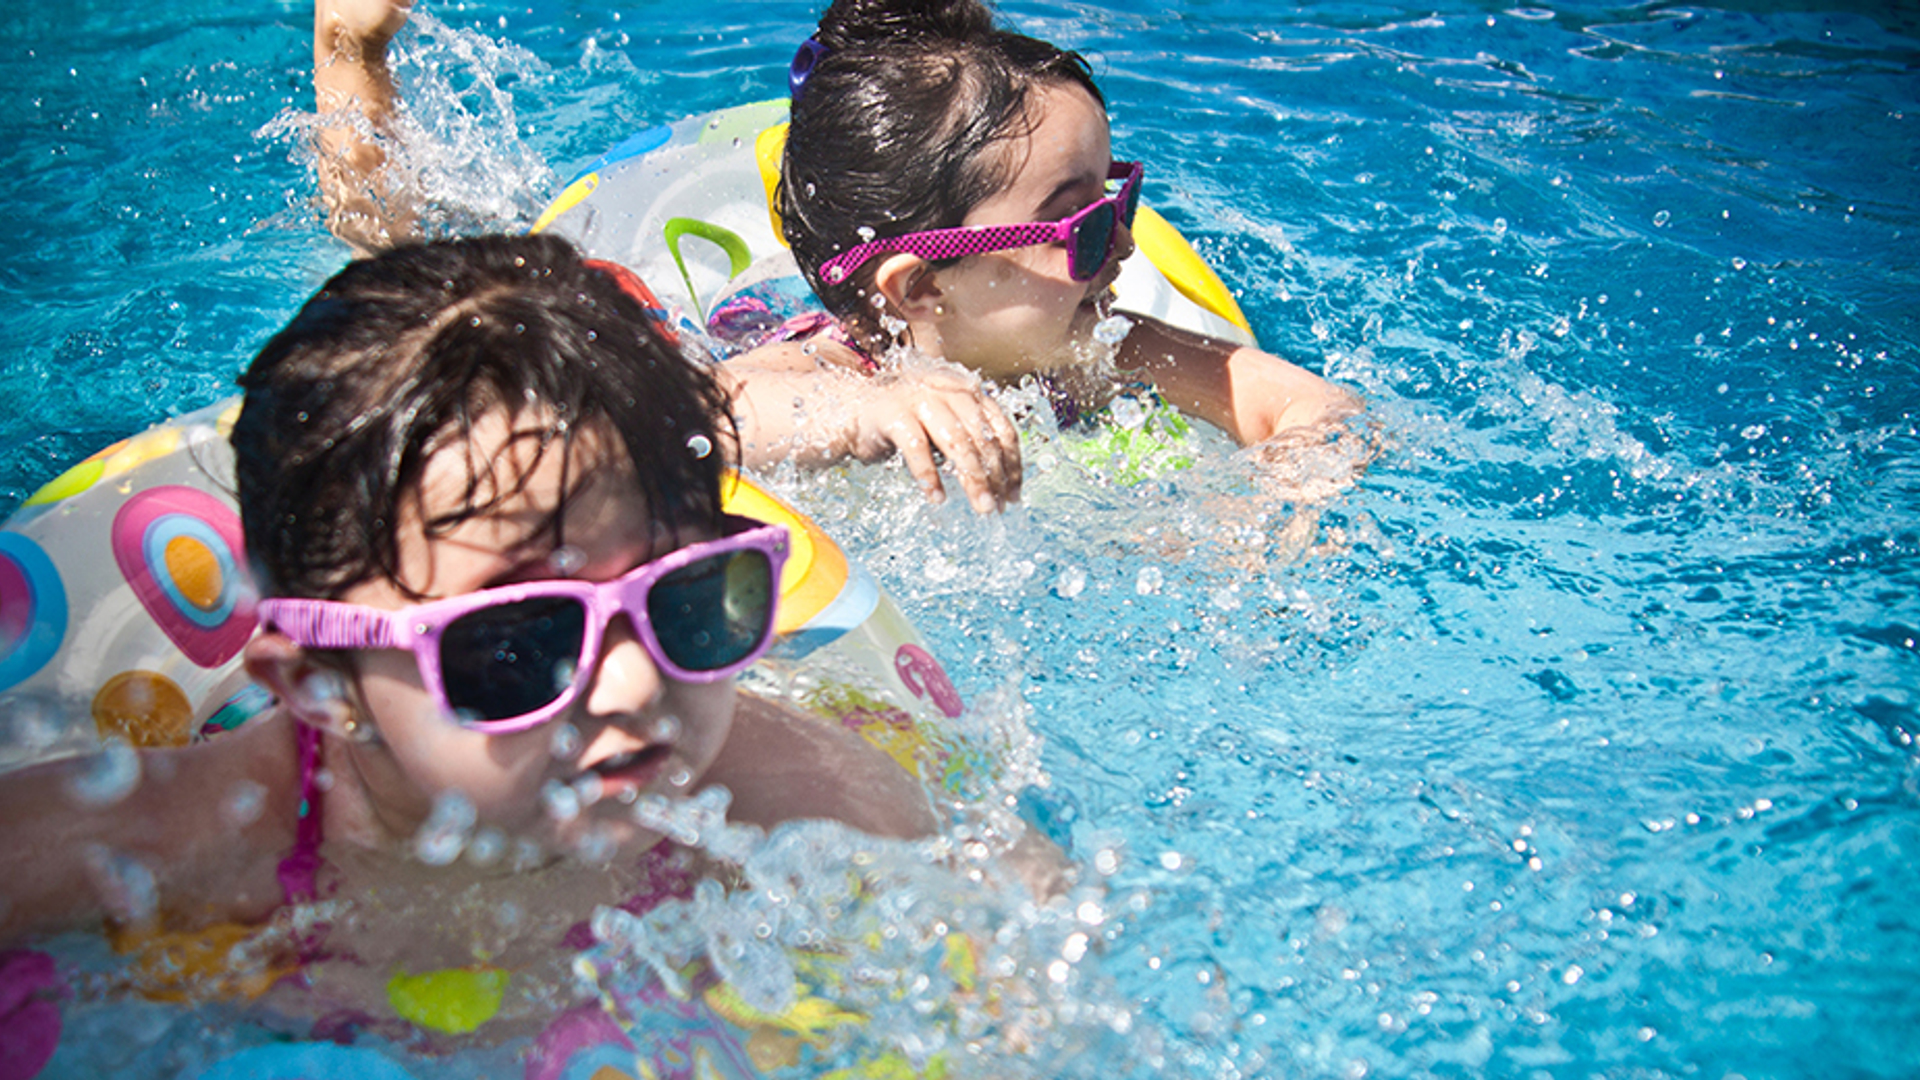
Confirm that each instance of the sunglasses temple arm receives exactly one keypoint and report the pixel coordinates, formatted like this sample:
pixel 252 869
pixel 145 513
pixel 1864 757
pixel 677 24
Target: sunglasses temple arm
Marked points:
pixel 320 624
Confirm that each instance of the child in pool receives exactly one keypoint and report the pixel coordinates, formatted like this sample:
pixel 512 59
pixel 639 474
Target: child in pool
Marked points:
pixel 913 120
pixel 487 438
pixel 922 415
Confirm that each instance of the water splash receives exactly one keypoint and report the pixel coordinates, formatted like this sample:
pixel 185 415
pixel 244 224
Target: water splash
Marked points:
pixel 456 149
pixel 442 837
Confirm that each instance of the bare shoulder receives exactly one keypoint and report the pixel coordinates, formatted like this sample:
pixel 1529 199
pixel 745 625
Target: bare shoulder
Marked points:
pixel 782 764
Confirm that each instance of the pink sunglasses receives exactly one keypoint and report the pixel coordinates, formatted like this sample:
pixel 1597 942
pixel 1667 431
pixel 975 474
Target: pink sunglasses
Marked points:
pixel 509 659
pixel 1089 234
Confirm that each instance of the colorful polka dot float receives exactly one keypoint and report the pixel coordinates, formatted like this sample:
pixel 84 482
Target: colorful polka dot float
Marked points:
pixel 125 598
pixel 180 549
pixel 33 609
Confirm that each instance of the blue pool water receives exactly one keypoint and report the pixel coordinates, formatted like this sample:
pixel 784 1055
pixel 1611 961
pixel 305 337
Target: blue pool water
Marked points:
pixel 1577 739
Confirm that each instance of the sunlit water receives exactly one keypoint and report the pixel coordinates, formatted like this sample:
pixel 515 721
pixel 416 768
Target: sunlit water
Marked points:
pixel 1576 739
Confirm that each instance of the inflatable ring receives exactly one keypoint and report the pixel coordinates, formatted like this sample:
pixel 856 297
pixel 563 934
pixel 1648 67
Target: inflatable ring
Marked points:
pixel 688 206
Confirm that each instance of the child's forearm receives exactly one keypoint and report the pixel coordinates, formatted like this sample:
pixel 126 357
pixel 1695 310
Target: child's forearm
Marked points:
pixel 1250 394
pixel 787 409
pixel 130 835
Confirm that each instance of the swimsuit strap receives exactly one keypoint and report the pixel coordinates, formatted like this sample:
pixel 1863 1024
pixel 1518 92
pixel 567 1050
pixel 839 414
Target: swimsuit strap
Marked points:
pixel 1066 410
pixel 299 869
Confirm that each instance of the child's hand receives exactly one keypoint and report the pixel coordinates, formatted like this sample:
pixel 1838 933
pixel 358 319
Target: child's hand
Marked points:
pixel 362 24
pixel 808 404
pixel 926 414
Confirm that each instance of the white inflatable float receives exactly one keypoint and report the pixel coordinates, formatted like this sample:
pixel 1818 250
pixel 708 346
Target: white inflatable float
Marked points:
pixel 688 206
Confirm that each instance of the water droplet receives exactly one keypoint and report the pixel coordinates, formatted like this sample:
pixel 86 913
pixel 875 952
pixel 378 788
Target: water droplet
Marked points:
pixel 245 801
pixel 866 234
pixel 1071 583
pixel 758 972
pixel 109 776
pixel 589 789
pixel 666 729
pixel 565 743
pixel 443 835
pixel 1150 581
pixel 125 885
pixel 560 801
pixel 486 846
pixel 700 445
pixel 1661 218
pixel 566 560
pixel 1112 330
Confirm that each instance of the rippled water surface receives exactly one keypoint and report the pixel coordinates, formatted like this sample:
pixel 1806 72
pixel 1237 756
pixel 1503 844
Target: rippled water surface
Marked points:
pixel 1575 740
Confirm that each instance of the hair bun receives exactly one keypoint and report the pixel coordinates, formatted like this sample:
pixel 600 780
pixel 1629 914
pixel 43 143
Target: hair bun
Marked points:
pixel 854 24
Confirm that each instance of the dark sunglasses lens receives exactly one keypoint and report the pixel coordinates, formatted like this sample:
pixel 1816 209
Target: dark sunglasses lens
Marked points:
pixel 1129 203
pixel 510 660
pixel 711 614
pixel 1092 242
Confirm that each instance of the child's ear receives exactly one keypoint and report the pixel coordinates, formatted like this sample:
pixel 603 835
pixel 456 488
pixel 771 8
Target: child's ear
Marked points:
pixel 910 285
pixel 312 692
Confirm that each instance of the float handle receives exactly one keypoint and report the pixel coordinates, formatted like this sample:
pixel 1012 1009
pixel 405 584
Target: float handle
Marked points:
pixel 739 256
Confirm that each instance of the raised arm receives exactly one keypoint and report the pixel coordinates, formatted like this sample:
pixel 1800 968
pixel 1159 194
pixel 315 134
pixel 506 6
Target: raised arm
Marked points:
pixel 353 87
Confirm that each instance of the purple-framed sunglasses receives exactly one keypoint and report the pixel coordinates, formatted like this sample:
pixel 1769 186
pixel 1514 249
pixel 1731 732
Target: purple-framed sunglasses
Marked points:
pixel 511 658
pixel 1089 234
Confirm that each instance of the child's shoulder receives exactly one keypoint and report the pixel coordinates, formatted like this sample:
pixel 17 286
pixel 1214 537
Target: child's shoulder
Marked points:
pixel 783 764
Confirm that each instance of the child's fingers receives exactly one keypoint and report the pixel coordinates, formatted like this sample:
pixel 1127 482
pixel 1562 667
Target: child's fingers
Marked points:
pixel 953 436
pixel 1007 439
pixel 909 439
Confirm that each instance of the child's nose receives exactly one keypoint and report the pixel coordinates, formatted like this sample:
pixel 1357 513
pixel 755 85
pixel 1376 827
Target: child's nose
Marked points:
pixel 626 680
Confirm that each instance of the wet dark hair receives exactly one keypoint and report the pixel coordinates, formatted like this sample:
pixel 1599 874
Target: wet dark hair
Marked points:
pixel 400 355
pixel 892 129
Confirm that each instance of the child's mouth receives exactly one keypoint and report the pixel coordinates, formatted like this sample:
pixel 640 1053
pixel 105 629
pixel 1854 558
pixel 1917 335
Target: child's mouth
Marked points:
pixel 634 769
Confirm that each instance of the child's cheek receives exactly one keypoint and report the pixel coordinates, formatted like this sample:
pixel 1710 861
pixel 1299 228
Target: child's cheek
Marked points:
pixel 707 717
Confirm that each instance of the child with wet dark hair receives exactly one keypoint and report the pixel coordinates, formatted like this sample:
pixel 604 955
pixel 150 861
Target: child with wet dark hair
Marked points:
pixel 948 185
pixel 482 498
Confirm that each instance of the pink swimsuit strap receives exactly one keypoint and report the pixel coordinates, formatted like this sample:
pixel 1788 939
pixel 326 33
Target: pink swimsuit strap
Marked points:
pixel 298 871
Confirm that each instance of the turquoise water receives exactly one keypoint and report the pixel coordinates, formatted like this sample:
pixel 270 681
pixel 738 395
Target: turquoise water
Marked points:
pixel 1576 740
